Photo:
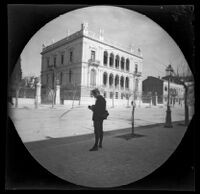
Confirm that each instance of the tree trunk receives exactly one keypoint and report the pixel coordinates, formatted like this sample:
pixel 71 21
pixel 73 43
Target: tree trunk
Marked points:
pixel 16 97
pixel 186 107
pixel 74 98
pixel 128 102
pixel 133 112
pixel 53 98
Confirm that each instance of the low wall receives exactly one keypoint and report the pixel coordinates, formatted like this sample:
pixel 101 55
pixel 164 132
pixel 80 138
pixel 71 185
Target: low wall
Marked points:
pixel 109 102
pixel 24 100
pixel 69 102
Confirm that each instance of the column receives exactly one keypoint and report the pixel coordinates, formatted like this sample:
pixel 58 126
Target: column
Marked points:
pixel 38 92
pixel 57 94
pixel 156 98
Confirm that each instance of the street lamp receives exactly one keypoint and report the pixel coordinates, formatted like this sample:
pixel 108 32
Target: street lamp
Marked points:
pixel 168 122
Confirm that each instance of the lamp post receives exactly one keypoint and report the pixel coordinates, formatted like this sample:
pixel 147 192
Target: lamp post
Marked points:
pixel 168 122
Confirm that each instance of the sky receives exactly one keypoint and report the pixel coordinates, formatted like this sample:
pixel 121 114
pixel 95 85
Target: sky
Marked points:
pixel 120 25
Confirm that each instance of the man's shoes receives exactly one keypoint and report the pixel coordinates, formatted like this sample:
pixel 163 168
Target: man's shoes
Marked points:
pixel 94 149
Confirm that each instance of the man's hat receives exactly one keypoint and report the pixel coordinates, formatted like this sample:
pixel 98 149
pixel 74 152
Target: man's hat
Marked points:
pixel 95 91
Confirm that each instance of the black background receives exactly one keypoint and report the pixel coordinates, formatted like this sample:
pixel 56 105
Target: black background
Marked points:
pixel 23 172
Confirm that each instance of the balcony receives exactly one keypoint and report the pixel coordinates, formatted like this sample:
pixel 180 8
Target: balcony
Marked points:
pixel 93 62
pixel 51 67
pixel 137 73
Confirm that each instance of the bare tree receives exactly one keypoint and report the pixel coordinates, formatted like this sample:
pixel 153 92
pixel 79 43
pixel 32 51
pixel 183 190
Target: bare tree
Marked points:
pixel 15 82
pixel 188 83
pixel 128 95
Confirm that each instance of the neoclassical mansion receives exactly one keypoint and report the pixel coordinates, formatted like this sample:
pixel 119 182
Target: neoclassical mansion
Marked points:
pixel 84 60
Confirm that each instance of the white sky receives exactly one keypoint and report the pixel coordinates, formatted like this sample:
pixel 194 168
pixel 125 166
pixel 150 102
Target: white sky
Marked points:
pixel 121 25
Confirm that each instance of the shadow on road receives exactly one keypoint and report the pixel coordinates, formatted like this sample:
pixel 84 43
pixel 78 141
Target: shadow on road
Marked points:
pixel 130 136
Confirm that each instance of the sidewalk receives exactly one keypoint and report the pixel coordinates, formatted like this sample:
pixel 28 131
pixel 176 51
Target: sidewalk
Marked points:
pixel 45 122
pixel 122 159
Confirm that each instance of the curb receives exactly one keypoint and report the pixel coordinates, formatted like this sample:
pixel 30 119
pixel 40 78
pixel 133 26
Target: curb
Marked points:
pixel 34 145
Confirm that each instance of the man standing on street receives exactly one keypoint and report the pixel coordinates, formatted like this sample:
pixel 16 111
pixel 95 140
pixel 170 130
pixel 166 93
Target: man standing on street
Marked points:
pixel 99 110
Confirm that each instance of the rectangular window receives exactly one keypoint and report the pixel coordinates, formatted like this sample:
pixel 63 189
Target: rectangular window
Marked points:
pixel 47 61
pixel 62 59
pixel 70 75
pixel 47 79
pixel 104 94
pixel 71 56
pixel 111 95
pixel 92 55
pixel 116 95
pixel 54 61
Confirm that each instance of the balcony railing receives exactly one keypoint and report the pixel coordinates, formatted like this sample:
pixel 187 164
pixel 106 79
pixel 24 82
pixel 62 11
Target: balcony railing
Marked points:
pixel 94 62
pixel 137 73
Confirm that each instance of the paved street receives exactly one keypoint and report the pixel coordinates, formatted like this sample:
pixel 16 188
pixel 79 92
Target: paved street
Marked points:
pixel 62 121
pixel 122 159
pixel 59 139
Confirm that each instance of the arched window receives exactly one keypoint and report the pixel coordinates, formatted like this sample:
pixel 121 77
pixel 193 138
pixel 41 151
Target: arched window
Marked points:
pixel 127 83
pixel 105 57
pixel 93 78
pixel 117 62
pixel 105 78
pixel 111 60
pixel 122 82
pixel 122 63
pixel 116 81
pixel 136 68
pixel 127 64
pixel 111 79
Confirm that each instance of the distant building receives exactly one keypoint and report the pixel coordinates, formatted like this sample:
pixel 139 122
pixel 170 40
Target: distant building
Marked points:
pixel 83 61
pixel 158 89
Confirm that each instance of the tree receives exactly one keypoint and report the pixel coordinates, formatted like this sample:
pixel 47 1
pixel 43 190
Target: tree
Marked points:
pixel 128 95
pixel 15 82
pixel 187 80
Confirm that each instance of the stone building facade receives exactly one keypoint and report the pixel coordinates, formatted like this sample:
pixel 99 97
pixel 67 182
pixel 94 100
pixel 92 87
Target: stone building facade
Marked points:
pixel 84 60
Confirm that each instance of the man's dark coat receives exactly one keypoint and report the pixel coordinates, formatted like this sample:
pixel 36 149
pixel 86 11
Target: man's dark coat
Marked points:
pixel 99 108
